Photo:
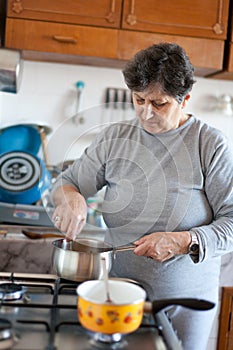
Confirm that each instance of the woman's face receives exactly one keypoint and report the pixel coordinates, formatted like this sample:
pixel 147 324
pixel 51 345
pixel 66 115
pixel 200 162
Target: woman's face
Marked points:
pixel 158 112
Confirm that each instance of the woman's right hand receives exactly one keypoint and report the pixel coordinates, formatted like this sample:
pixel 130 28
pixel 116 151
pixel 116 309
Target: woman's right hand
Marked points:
pixel 71 211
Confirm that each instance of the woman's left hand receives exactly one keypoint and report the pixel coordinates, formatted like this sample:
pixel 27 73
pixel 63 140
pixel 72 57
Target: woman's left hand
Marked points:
pixel 162 246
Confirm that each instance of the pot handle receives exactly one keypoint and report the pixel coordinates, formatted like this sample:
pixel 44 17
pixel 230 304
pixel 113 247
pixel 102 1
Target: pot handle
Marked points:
pixel 191 303
pixel 124 248
pixel 38 234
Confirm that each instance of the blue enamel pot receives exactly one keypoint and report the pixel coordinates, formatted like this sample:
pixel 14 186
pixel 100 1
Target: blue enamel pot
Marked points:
pixel 23 177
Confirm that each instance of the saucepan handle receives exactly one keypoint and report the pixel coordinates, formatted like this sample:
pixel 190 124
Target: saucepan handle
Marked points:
pixel 191 303
pixel 124 248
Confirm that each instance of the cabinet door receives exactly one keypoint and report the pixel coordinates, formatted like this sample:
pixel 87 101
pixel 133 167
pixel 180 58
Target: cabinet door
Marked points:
pixel 105 13
pixel 61 38
pixel 2 21
pixel 227 72
pixel 209 61
pixel 230 58
pixel 182 17
pixel 225 334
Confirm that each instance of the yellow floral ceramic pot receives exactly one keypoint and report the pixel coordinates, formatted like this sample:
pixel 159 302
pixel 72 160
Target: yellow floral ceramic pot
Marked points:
pixel 122 315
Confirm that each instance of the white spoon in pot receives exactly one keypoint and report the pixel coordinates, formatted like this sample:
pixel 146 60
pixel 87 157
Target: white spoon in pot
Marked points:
pixel 106 281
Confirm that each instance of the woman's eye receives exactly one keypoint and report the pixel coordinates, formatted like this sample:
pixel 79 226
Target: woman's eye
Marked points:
pixel 158 105
pixel 140 101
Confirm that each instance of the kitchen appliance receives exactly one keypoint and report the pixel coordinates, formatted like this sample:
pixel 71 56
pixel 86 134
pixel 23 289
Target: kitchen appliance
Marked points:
pixel 45 318
pixel 21 214
pixel 11 66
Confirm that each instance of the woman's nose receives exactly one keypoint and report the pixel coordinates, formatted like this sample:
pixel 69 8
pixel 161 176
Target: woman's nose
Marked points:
pixel 147 112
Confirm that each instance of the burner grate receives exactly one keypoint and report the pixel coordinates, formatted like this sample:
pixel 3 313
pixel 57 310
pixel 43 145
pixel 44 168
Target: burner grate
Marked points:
pixel 48 319
pixel 4 324
pixel 32 322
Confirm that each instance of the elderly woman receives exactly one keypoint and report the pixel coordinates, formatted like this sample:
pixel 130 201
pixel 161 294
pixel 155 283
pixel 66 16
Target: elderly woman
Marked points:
pixel 168 179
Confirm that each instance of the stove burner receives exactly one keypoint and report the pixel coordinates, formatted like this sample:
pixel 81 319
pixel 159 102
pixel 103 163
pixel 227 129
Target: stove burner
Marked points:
pixel 108 341
pixel 108 338
pixel 5 328
pixel 11 291
pixel 7 338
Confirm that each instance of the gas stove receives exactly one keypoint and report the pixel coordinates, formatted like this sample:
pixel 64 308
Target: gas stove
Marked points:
pixel 39 312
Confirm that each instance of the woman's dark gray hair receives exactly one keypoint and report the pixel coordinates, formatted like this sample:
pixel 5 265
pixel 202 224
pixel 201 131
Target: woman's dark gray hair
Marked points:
pixel 164 63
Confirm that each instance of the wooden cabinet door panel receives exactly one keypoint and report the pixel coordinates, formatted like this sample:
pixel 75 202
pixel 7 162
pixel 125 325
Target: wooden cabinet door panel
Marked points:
pixel 182 17
pixel 211 56
pixel 105 13
pixel 230 58
pixel 229 343
pixel 61 38
pixel 225 334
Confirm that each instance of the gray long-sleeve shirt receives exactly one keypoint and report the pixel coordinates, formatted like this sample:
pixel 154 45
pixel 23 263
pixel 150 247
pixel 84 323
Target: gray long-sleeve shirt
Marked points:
pixel 173 181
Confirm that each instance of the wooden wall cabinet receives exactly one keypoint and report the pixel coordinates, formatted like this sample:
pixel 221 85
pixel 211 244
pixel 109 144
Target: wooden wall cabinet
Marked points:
pixel 53 37
pixel 204 19
pixel 230 47
pixel 109 32
pixel 103 13
pixel 227 72
pixel 2 21
pixel 225 335
pixel 205 54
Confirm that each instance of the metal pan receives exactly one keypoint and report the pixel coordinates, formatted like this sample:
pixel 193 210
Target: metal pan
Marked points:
pixel 81 260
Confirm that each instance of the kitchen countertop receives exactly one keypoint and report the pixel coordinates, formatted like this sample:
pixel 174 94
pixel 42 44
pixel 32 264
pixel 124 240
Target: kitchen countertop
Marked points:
pixel 19 253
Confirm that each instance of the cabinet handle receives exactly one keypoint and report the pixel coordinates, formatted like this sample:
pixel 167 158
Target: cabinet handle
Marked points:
pixel 218 27
pixel 17 6
pixel 111 17
pixel 131 18
pixel 65 39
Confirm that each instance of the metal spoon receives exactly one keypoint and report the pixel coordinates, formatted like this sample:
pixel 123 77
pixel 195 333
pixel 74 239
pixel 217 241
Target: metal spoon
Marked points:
pixel 106 281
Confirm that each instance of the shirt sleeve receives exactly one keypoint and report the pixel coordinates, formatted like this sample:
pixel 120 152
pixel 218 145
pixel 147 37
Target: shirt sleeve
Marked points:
pixel 86 174
pixel 216 239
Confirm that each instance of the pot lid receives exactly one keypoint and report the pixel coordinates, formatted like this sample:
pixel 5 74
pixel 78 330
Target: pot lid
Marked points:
pixel 22 137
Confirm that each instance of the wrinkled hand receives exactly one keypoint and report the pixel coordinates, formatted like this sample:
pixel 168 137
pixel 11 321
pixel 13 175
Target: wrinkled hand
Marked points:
pixel 70 215
pixel 162 246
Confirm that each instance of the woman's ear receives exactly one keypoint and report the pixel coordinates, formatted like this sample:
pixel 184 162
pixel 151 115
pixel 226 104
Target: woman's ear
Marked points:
pixel 185 100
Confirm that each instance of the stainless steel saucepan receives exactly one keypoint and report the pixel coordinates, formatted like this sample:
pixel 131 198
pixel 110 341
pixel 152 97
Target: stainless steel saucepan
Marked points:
pixel 81 260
